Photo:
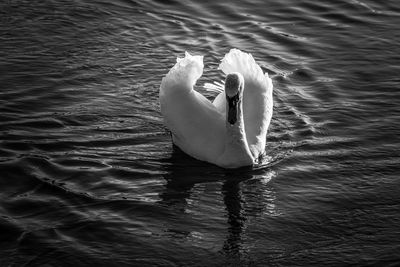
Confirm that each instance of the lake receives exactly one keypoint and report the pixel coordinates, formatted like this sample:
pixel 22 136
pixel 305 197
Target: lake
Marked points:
pixel 88 173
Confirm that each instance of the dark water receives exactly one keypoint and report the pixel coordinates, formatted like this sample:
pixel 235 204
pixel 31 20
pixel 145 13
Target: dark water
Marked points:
pixel 88 173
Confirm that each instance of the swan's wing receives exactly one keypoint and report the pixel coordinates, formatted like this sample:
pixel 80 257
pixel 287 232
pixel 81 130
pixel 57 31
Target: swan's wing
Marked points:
pixel 183 75
pixel 197 127
pixel 220 103
pixel 257 98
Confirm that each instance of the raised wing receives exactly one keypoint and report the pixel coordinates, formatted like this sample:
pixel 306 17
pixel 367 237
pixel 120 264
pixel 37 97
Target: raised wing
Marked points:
pixel 197 127
pixel 257 97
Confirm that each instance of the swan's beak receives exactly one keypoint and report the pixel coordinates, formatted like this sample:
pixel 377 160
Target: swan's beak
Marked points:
pixel 232 108
pixel 233 89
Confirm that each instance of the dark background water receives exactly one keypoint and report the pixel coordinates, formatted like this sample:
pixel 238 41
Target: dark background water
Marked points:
pixel 88 175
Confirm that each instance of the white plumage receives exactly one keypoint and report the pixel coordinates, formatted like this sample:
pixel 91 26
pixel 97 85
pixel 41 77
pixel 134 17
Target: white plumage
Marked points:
pixel 201 128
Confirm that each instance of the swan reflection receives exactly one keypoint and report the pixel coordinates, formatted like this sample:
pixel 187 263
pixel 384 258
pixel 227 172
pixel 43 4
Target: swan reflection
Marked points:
pixel 240 195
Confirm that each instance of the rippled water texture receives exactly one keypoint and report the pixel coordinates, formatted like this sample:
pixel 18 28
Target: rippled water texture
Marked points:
pixel 88 174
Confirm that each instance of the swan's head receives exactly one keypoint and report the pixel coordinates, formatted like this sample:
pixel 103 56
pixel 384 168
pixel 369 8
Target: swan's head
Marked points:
pixel 234 84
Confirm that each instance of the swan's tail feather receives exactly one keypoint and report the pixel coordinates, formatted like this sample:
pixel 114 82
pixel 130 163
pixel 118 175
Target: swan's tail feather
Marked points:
pixel 217 87
pixel 183 75
pixel 238 61
pixel 220 84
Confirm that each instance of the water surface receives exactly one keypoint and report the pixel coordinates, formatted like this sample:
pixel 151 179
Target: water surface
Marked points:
pixel 88 174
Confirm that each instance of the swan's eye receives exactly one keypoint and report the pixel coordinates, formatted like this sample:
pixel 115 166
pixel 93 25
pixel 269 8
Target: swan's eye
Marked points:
pixel 232 108
pixel 232 99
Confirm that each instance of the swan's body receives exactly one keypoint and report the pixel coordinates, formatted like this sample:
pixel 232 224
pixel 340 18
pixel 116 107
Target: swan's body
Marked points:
pixel 202 128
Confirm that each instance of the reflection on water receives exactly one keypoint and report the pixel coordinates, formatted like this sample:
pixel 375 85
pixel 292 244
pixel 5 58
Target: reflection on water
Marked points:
pixel 246 194
pixel 233 201
pixel 88 175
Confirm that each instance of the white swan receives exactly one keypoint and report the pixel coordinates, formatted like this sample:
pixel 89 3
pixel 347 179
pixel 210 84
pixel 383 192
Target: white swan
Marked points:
pixel 230 131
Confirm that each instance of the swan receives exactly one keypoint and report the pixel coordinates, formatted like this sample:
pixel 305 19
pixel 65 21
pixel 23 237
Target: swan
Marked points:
pixel 230 131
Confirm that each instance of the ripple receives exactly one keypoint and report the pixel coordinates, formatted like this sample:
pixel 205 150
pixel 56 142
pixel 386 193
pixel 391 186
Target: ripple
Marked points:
pixel 88 172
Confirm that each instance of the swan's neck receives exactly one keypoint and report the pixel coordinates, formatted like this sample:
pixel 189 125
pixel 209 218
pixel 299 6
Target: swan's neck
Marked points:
pixel 236 148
